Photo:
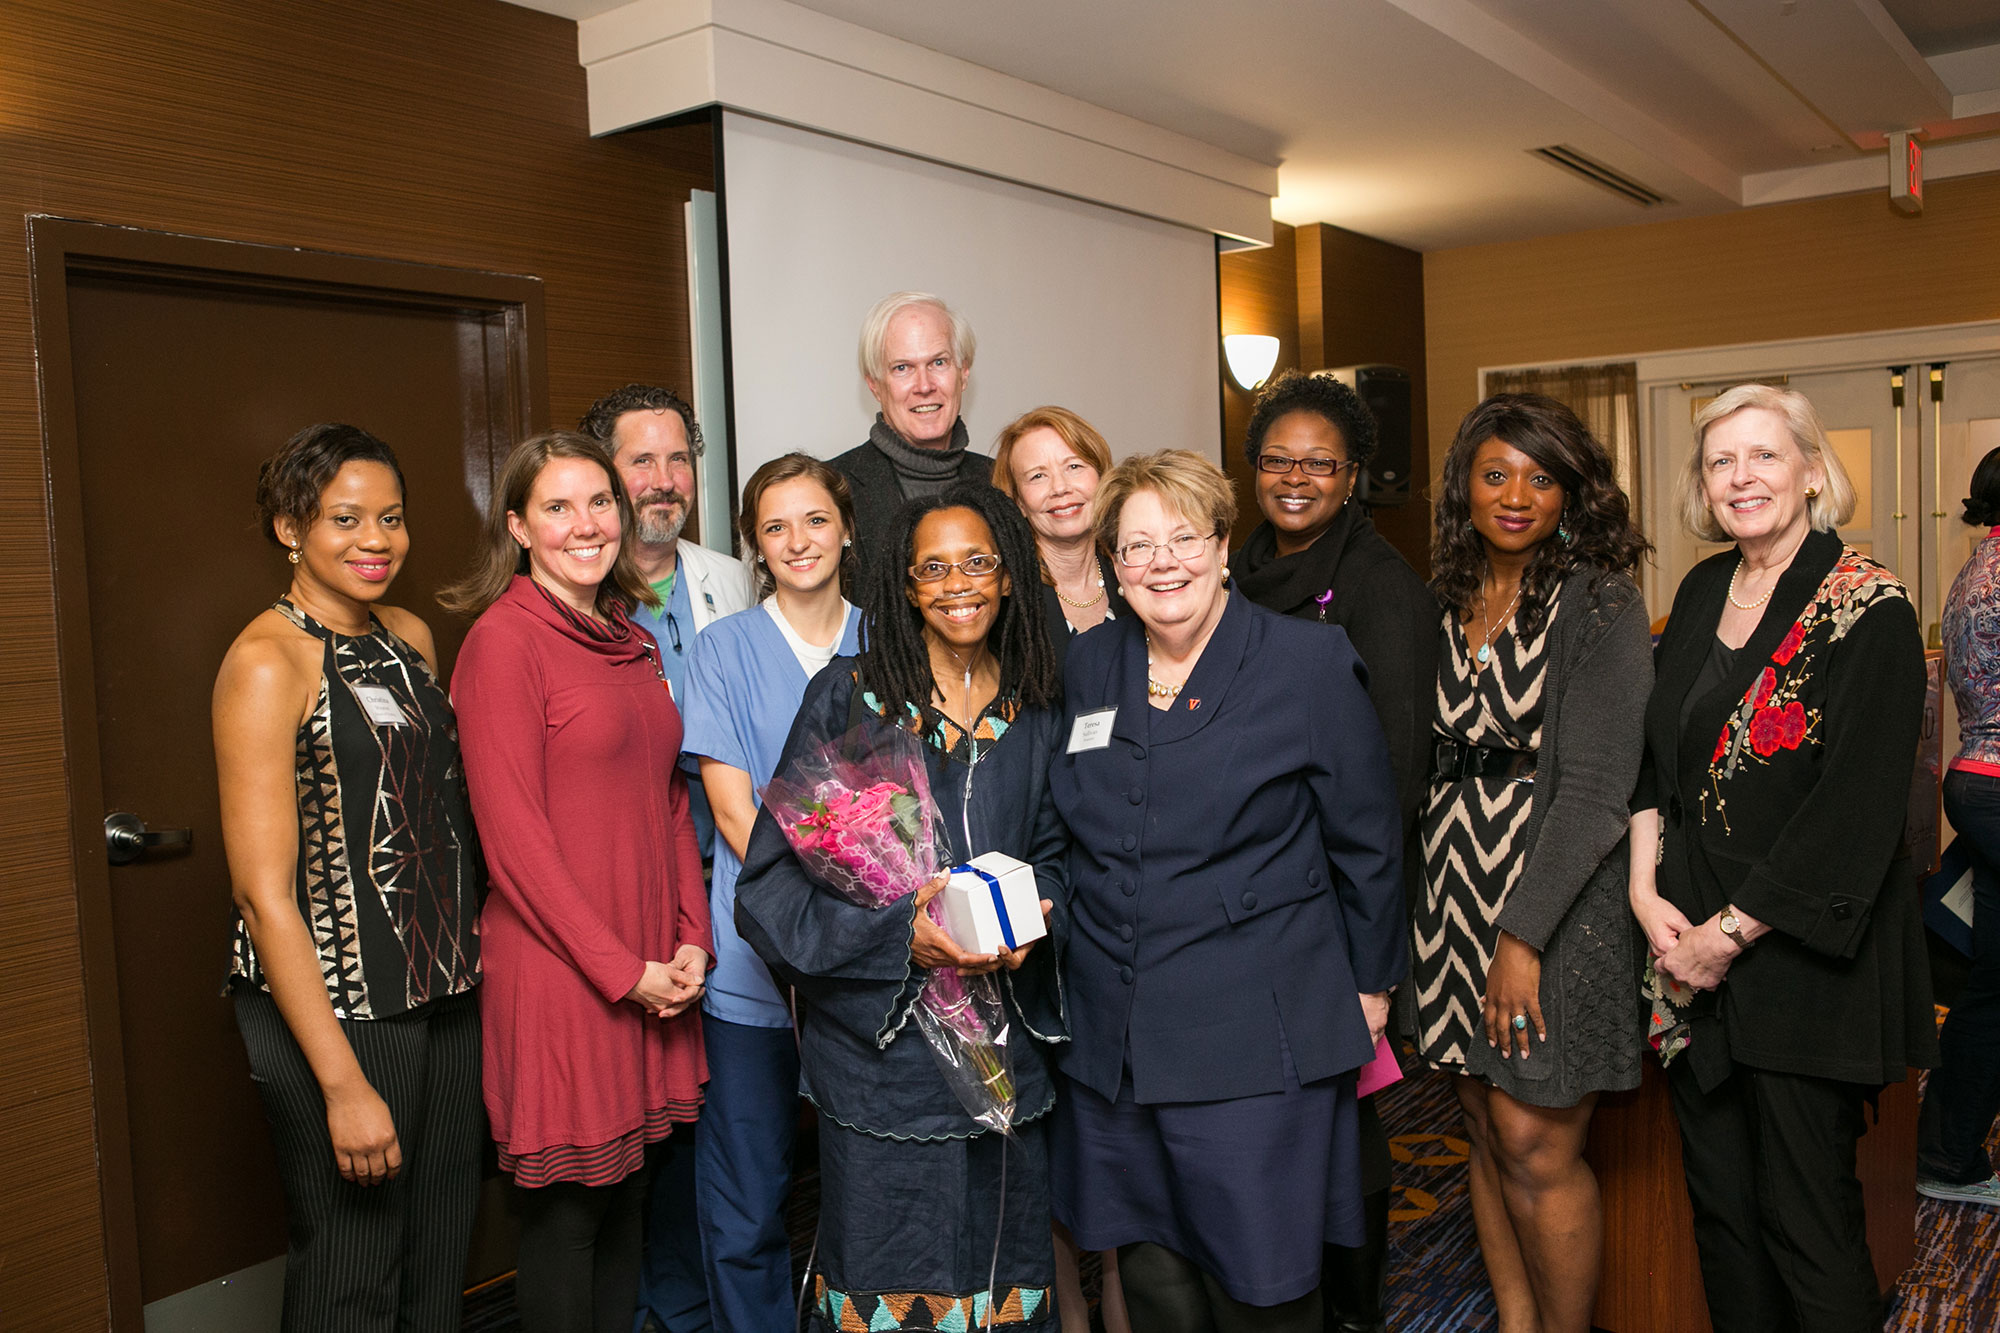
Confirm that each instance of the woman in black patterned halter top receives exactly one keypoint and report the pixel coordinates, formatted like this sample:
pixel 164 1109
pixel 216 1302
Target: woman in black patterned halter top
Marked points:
pixel 1526 957
pixel 355 874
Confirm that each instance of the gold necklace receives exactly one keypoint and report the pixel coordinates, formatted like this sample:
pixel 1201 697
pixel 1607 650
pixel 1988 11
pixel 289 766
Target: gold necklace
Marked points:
pixel 1081 606
pixel 1747 606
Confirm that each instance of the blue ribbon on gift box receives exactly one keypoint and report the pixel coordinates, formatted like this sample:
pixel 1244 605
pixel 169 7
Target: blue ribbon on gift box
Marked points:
pixel 999 903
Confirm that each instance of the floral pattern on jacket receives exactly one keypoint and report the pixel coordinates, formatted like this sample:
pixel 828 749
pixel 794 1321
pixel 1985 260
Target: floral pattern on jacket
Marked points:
pixel 1772 715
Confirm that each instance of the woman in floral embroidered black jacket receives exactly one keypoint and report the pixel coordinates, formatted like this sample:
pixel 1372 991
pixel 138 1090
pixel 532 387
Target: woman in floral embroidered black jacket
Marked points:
pixel 1769 871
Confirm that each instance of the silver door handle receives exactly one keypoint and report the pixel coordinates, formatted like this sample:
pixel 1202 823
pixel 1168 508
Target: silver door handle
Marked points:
pixel 126 838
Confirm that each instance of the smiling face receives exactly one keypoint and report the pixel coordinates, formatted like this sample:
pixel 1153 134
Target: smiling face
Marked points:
pixel 1300 507
pixel 657 467
pixel 355 547
pixel 1053 485
pixel 570 529
pixel 1755 478
pixel 799 534
pixel 960 609
pixel 921 382
pixel 1516 502
pixel 1168 591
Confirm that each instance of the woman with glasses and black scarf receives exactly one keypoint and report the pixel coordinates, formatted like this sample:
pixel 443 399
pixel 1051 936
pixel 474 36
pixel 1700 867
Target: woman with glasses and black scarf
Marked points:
pixel 1236 924
pixel 1527 967
pixel 1317 557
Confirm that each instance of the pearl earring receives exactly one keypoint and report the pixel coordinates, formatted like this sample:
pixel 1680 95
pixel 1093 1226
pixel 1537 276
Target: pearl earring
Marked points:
pixel 1812 492
pixel 293 554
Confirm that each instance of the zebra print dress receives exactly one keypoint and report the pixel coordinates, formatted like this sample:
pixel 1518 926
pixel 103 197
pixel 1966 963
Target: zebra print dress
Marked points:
pixel 1473 848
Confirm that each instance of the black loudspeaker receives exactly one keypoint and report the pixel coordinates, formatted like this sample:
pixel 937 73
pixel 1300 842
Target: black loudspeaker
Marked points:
pixel 1386 391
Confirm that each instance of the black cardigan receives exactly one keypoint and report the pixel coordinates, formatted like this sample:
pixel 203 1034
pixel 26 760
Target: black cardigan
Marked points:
pixel 1785 795
pixel 877 495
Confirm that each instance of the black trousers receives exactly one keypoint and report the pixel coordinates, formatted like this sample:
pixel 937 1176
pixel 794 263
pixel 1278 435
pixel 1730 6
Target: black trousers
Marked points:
pixel 1963 1094
pixel 389 1257
pixel 1777 1207
pixel 578 1270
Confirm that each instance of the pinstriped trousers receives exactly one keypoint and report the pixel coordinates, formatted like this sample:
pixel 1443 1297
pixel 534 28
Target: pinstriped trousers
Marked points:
pixel 376 1258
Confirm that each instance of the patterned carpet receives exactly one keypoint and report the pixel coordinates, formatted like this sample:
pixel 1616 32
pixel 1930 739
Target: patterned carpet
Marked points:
pixel 1436 1282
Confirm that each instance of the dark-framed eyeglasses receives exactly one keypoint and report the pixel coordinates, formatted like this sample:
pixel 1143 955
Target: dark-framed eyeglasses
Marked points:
pixel 1185 547
pixel 673 631
pixel 1278 465
pixel 973 567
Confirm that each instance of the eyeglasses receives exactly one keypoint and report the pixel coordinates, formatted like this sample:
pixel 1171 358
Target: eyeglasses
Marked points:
pixel 674 632
pixel 1278 465
pixel 1185 547
pixel 973 567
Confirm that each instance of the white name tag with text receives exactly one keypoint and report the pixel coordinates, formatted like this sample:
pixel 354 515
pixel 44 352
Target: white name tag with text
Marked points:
pixel 381 706
pixel 1091 731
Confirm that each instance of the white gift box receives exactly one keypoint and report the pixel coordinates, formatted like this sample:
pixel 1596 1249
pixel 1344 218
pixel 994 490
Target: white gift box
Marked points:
pixel 990 899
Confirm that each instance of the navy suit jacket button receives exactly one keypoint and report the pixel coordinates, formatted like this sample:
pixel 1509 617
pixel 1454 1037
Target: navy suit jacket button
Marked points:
pixel 1249 902
pixel 1138 752
pixel 1125 975
pixel 1312 877
pixel 1125 932
pixel 1136 795
pixel 1127 887
pixel 1131 842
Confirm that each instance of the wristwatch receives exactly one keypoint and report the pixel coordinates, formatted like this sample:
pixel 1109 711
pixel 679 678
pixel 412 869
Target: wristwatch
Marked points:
pixel 1731 925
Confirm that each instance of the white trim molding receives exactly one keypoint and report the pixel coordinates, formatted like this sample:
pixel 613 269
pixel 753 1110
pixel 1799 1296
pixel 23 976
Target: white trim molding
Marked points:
pixel 651 59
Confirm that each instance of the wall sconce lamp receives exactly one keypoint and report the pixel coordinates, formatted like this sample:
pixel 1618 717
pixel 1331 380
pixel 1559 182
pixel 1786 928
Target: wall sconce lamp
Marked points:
pixel 1251 357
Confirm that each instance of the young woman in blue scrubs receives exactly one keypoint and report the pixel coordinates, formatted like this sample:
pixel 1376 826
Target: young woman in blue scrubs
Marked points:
pixel 745 679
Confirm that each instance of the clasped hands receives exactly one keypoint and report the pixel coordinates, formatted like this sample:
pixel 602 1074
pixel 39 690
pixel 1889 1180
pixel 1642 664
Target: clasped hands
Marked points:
pixel 1696 956
pixel 665 990
pixel 931 947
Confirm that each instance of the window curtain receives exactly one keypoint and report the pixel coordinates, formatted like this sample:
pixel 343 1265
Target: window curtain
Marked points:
pixel 1605 398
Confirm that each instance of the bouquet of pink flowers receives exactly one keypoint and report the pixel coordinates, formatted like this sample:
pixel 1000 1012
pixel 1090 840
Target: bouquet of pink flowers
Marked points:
pixel 858 811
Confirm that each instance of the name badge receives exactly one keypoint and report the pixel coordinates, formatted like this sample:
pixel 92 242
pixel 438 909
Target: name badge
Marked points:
pixel 381 706
pixel 1091 731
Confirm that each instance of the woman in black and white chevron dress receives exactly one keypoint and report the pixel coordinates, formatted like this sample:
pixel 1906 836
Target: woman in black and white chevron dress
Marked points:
pixel 1525 955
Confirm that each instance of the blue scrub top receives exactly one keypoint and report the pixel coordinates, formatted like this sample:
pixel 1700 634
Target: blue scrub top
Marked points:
pixel 675 664
pixel 744 686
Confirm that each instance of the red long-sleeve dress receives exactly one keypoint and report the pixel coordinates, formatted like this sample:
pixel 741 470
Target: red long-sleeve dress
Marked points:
pixel 570 741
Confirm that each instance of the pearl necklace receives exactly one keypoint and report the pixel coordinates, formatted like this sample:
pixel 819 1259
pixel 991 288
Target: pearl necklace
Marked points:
pixel 1747 606
pixel 1154 688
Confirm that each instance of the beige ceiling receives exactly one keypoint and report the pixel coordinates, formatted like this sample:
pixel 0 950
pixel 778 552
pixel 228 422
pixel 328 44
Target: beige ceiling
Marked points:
pixel 1413 120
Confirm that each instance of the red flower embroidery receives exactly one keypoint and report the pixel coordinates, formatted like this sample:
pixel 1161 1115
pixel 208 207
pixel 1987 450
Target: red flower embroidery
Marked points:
pixel 1765 684
pixel 1792 725
pixel 1766 730
pixel 1790 647
pixel 1721 747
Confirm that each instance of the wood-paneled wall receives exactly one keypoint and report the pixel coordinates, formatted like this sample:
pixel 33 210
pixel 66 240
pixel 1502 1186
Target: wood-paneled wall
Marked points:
pixel 1333 298
pixel 437 131
pixel 1804 270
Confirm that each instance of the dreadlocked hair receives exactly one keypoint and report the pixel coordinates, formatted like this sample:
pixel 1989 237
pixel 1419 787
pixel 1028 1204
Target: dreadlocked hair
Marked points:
pixel 1597 517
pixel 895 658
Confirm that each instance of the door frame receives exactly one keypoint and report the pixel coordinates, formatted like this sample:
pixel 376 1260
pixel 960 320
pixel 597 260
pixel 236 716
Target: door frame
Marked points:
pixel 57 249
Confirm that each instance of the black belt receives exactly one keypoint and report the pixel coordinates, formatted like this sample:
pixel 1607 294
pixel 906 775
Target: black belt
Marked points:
pixel 1452 761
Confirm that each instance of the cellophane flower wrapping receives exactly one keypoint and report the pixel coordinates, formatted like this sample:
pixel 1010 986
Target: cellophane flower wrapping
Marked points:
pixel 858 812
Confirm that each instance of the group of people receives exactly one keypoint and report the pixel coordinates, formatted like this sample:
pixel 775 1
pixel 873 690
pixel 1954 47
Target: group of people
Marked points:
pixel 1289 810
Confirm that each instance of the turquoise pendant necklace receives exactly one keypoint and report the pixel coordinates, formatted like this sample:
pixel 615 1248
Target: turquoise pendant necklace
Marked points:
pixel 1485 653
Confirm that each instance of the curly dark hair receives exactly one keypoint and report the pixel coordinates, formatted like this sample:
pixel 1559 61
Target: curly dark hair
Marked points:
pixel 602 418
pixel 1322 394
pixel 896 662
pixel 289 482
pixel 1596 515
pixel 1982 507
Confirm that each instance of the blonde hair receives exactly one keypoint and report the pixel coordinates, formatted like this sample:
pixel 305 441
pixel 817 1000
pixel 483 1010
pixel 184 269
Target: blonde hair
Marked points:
pixel 874 350
pixel 1186 483
pixel 1831 507
pixel 1081 437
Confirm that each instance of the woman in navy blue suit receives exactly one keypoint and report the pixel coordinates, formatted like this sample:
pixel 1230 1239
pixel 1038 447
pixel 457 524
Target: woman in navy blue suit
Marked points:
pixel 1236 898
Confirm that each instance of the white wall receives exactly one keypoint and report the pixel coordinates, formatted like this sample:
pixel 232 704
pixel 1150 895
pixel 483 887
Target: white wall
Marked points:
pixel 1107 313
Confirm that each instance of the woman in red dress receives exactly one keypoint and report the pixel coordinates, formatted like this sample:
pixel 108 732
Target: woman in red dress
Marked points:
pixel 595 936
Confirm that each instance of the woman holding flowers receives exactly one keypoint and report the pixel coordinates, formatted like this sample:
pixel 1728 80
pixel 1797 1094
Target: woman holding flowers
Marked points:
pixel 913 1233
pixel 1768 867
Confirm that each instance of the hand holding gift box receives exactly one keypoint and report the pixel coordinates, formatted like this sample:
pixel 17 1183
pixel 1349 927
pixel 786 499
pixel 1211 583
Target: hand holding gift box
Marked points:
pixel 992 904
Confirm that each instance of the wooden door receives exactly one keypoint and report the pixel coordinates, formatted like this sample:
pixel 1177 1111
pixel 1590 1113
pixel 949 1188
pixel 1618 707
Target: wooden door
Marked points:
pixel 172 366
